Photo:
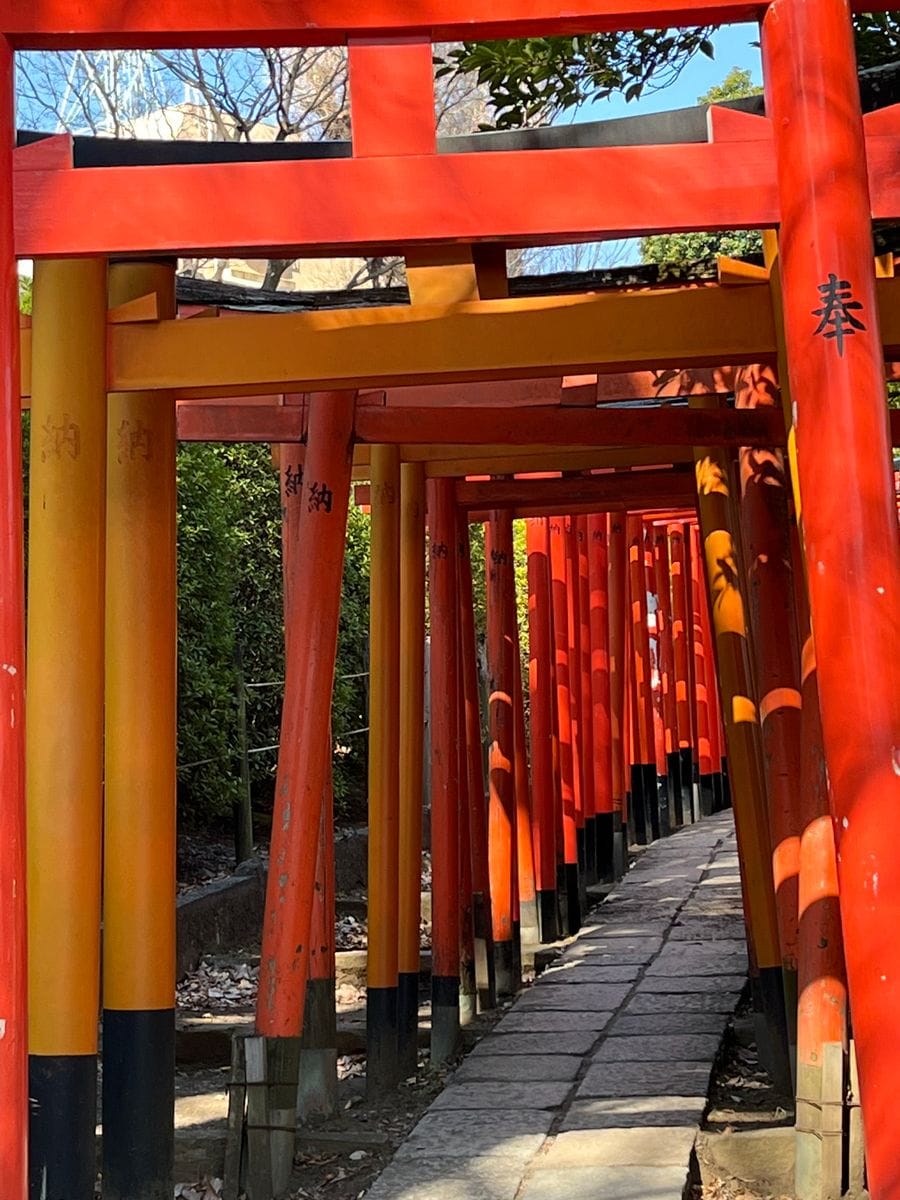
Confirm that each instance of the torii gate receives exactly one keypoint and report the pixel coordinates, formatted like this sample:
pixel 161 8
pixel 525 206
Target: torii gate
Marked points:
pixel 814 176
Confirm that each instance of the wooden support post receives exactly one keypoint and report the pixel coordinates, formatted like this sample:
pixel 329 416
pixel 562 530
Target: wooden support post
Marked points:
pixel 382 1067
pixel 643 770
pixel 304 757
pixel 13 971
pixel 569 884
pixel 65 752
pixel 468 984
pixel 598 605
pixel 139 792
pixel 618 592
pixel 498 552
pixel 540 682
pixel 412 748
pixel 665 653
pixel 587 707
pixel 766 535
pixel 834 346
pixel 684 709
pixel 471 737
pixel 445 783
pixel 728 607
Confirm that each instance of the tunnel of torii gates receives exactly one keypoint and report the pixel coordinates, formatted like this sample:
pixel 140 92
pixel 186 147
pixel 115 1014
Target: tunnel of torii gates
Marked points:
pixel 474 406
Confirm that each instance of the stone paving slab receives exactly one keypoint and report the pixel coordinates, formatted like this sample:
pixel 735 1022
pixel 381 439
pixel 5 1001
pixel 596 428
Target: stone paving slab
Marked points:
pixel 593 1085
pixel 628 1112
pixel 657 1024
pixel 523 1067
pixel 584 971
pixel 573 995
pixel 502 1096
pixel 501 1042
pixel 445 1179
pixel 686 1047
pixel 678 985
pixel 646 1079
pixel 688 1002
pixel 662 1146
pixel 516 1135
pixel 607 1183
pixel 552 1021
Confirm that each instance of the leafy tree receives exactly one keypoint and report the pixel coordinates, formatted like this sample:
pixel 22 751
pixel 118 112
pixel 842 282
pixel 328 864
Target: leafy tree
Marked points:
pixel 736 85
pixel 533 79
pixel 877 38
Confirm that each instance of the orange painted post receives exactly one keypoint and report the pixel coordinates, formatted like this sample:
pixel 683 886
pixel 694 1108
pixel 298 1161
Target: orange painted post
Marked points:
pixel 13 979
pixel 618 592
pixel 587 705
pixel 569 823
pixel 304 758
pixel 317 1071
pixel 498 553
pixel 412 749
pixel 598 606
pixel 728 624
pixel 661 792
pixel 573 648
pixel 643 771
pixel 704 672
pixel 684 708
pixel 836 373
pixel 540 684
pixel 468 985
pixel 766 534
pixel 665 657
pixel 445 760
pixel 529 929
pixel 476 791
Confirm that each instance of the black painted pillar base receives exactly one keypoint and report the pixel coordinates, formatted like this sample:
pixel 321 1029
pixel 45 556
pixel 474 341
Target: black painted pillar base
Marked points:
pixel 707 796
pixel 590 851
pixel 562 899
pixel 517 957
pixel 620 847
pixel 408 1023
pixel 62 1149
pixel 573 894
pixel 548 915
pixel 638 808
pixel 673 770
pixel 770 1022
pixel 445 1037
pixel 382 1062
pixel 605 831
pixel 651 800
pixel 718 792
pixel 505 968
pixel 726 785
pixel 662 801
pixel 138 1104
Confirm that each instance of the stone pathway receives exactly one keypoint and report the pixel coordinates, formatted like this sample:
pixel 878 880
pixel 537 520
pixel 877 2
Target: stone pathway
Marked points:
pixel 594 1084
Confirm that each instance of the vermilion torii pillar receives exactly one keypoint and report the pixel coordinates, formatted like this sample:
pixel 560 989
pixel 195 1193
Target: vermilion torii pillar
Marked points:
pixel 836 372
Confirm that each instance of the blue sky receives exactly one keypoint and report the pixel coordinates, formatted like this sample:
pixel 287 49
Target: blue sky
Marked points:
pixel 734 48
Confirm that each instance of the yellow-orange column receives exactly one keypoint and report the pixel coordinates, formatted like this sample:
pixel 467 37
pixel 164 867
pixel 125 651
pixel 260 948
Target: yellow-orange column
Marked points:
pixel 412 728
pixel 64 718
pixel 139 821
pixel 742 732
pixel 383 1069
